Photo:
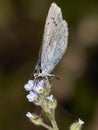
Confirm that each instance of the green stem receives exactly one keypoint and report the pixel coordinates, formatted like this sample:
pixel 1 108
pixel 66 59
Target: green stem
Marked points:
pixel 46 126
pixel 53 121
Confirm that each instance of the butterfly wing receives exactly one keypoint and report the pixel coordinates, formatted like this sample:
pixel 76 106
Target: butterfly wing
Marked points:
pixel 54 39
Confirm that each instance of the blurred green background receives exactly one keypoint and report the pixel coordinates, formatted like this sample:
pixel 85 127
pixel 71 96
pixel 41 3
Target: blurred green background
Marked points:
pixel 21 30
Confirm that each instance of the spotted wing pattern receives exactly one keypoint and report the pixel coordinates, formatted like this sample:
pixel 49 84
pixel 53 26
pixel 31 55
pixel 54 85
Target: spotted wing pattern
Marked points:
pixel 54 39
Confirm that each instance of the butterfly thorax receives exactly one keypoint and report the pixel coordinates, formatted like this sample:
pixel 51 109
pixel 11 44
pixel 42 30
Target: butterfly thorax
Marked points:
pixel 42 73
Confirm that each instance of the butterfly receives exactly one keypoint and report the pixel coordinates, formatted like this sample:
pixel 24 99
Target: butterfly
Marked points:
pixel 54 43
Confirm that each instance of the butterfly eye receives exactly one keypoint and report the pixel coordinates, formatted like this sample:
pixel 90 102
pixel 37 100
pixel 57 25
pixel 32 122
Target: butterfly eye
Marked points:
pixel 40 70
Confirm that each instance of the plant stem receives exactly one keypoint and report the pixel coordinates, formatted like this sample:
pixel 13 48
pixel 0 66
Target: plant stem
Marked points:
pixel 53 121
pixel 47 126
